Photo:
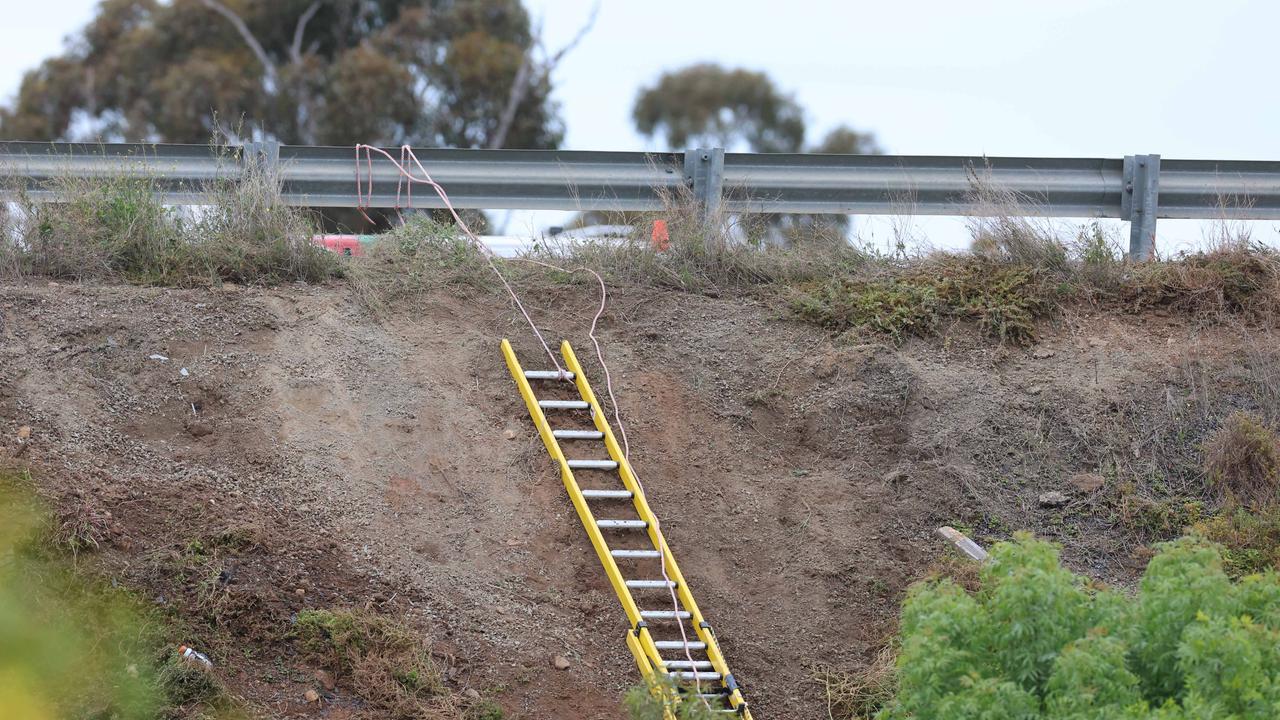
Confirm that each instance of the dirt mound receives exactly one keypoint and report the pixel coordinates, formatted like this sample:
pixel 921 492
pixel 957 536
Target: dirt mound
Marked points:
pixel 388 462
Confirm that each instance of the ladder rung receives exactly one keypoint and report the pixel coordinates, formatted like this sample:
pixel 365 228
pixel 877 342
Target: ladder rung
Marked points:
pixel 593 464
pixel 577 434
pixel 665 614
pixel 702 676
pixel 678 645
pixel 686 665
pixel 635 553
pixel 651 584
pixel 623 524
pixel 607 495
pixel 712 693
pixel 563 404
pixel 547 375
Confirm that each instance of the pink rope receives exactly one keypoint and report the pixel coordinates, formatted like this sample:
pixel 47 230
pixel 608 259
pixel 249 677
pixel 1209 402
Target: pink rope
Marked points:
pixel 406 179
pixel 406 174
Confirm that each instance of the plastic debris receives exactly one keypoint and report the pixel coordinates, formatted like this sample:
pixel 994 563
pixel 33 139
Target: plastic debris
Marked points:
pixel 183 372
pixel 194 658
pixel 156 356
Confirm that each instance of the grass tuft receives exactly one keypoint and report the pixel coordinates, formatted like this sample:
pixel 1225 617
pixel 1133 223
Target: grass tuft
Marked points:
pixel 862 694
pixel 117 229
pixel 1250 540
pixel 1234 277
pixel 415 258
pixel 383 662
pixel 1242 462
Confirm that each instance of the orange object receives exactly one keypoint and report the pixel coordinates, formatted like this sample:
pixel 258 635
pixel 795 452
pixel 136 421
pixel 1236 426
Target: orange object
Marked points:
pixel 661 240
pixel 349 245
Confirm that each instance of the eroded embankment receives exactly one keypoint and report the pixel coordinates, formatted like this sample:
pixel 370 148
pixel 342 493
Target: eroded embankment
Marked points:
pixel 388 462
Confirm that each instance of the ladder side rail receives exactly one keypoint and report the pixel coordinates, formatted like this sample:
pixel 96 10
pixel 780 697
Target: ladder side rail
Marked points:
pixel 646 513
pixel 571 485
pixel 650 676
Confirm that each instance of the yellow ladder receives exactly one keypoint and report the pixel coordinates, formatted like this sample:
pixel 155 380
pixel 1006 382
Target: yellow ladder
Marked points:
pixel 676 679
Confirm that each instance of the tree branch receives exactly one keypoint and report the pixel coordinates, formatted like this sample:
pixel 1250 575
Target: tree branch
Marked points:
pixel 295 50
pixel 554 60
pixel 519 88
pixel 524 78
pixel 249 39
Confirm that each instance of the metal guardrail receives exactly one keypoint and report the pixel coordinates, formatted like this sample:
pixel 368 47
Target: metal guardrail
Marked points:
pixel 1138 188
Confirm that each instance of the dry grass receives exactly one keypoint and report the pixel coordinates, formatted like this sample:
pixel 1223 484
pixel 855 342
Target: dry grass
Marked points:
pixel 712 256
pixel 1242 462
pixel 859 695
pixel 381 661
pixel 1007 229
pixel 1019 272
pixel 117 229
pixel 1232 277
pixel 420 256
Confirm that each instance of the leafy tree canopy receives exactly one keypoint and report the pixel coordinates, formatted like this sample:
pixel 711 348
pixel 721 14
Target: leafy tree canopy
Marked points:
pixel 707 104
pixel 710 105
pixel 426 72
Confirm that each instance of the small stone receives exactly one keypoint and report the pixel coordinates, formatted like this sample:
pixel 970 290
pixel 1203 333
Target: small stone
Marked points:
pixel 24 433
pixel 894 477
pixel 1043 353
pixel 1053 499
pixel 199 429
pixel 1035 390
pixel 300 592
pixel 326 680
pixel 311 695
pixel 1086 482
pixel 560 662
pixel 471 693
pixel 510 434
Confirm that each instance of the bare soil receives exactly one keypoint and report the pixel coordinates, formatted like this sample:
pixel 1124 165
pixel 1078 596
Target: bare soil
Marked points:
pixel 387 462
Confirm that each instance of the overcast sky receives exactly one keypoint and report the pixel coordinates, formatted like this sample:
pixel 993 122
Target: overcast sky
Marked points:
pixel 1087 78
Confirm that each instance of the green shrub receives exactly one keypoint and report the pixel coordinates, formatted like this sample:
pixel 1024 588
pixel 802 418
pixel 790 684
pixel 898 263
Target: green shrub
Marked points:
pixel 1040 642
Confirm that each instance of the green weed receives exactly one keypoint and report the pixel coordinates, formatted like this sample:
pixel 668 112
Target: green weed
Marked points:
pixel 1250 540
pixel 1040 642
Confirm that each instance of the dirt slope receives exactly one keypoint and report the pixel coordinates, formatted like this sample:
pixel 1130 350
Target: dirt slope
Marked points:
pixel 387 461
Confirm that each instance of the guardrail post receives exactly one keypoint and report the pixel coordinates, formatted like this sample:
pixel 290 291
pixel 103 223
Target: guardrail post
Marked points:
pixel 704 170
pixel 266 152
pixel 1139 203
